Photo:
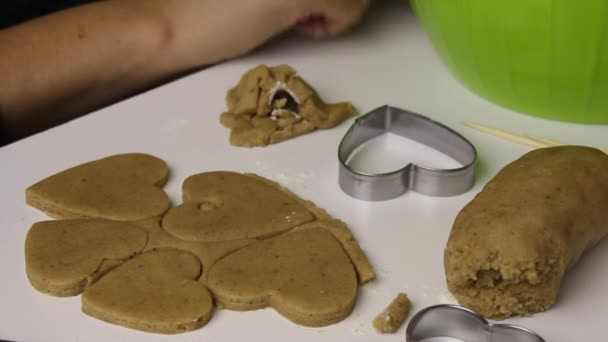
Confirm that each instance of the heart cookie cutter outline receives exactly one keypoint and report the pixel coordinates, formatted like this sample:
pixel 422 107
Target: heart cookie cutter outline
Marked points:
pixel 424 180
pixel 448 320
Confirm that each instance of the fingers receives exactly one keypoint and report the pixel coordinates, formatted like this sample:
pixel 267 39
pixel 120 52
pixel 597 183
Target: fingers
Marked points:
pixel 328 18
pixel 314 26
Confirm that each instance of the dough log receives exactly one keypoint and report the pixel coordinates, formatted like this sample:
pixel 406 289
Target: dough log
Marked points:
pixel 510 247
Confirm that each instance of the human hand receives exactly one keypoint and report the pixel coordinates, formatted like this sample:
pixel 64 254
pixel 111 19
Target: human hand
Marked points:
pixel 322 18
pixel 213 30
pixel 61 65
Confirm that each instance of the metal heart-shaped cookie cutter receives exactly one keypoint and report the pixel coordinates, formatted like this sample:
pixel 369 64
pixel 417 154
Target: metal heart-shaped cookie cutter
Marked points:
pixel 447 320
pixel 424 180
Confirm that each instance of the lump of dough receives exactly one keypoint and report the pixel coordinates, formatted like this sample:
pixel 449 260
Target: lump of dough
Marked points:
pixel 270 105
pixel 510 247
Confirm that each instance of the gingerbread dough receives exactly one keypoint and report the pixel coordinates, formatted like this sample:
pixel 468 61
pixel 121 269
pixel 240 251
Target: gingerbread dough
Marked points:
pixel 511 245
pixel 62 258
pixel 122 187
pixel 258 244
pixel 223 206
pixel 365 271
pixel 305 275
pixel 207 252
pixel 270 105
pixel 391 318
pixel 157 292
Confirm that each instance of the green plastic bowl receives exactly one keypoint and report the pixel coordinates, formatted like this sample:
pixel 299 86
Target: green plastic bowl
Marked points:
pixel 547 58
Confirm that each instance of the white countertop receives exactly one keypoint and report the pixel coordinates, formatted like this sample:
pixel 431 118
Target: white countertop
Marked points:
pixel 387 60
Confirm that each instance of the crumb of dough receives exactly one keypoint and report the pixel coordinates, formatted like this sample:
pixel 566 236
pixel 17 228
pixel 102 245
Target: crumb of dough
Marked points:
pixel 389 320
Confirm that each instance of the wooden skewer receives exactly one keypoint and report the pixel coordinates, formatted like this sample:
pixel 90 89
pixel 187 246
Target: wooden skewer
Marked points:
pixel 526 139
pixel 549 142
pixel 506 135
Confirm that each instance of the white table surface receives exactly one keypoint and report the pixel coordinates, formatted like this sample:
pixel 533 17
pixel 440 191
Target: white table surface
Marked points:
pixel 387 60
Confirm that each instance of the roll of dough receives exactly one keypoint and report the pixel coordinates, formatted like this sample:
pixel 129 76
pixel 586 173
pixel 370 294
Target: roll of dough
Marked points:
pixel 511 245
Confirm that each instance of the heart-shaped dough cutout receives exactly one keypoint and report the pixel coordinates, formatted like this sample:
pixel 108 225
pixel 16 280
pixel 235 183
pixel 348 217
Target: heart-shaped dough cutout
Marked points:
pixel 156 292
pixel 62 258
pixel 305 275
pixel 365 271
pixel 124 187
pixel 223 206
pixel 207 252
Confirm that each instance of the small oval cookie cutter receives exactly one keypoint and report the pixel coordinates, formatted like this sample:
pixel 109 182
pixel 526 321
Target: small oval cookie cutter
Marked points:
pixel 424 180
pixel 454 321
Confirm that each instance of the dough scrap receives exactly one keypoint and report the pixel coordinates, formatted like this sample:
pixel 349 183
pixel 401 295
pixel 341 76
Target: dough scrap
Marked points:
pixel 63 258
pixel 391 318
pixel 224 206
pixel 270 105
pixel 305 275
pixel 124 187
pixel 511 245
pixel 156 292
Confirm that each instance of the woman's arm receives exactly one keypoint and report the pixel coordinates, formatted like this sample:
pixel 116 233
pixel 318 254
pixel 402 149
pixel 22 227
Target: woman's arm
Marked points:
pixel 58 66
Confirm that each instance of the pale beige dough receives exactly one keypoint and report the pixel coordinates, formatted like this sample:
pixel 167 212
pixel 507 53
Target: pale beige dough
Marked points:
pixel 510 247
pixel 122 187
pixel 156 292
pixel 273 104
pixel 62 258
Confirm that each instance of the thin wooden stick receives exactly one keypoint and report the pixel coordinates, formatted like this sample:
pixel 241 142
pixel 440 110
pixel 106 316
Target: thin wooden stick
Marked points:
pixel 549 142
pixel 526 139
pixel 506 135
